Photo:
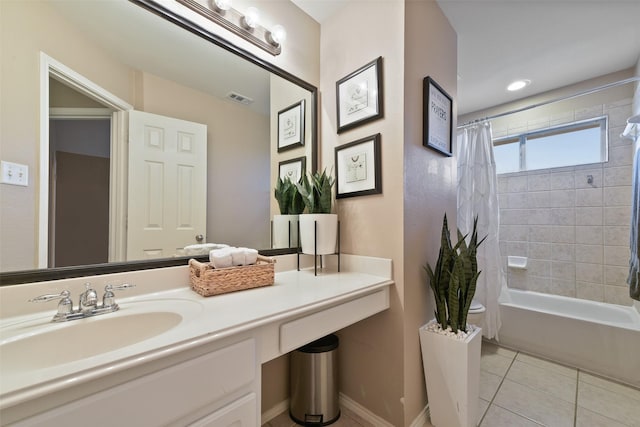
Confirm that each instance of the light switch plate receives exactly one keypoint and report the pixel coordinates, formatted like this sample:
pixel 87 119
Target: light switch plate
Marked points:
pixel 14 173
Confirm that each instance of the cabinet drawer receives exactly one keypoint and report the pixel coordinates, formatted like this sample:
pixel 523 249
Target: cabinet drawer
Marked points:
pixel 306 329
pixel 241 413
pixel 164 396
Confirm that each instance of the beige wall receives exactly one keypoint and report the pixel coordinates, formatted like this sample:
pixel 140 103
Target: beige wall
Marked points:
pixel 430 180
pixel 380 357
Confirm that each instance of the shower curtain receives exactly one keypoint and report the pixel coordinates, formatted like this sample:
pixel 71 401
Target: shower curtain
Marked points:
pixel 634 241
pixel 478 196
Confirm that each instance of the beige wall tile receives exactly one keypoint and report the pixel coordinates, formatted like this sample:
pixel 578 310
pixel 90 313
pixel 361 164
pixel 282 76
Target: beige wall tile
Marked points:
pixel 620 156
pixel 617 196
pixel 516 184
pixel 589 112
pixel 615 176
pixel 539 284
pixel 563 252
pixel 538 199
pixel 592 273
pixel 590 291
pixel 618 115
pixel 539 181
pixel 617 295
pixel 563 287
pixel 562 181
pixel 581 177
pixel 540 250
pixel 615 235
pixel 589 216
pixel 563 234
pixel 616 275
pixel 539 268
pixel 589 235
pixel 514 232
pixel 592 254
pixel 619 215
pixel 589 197
pixel 538 233
pixel 563 270
pixel 562 198
pixel 616 255
pixel 563 216
pixel 538 217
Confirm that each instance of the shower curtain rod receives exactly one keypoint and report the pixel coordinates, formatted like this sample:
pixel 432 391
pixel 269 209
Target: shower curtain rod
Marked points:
pixel 551 101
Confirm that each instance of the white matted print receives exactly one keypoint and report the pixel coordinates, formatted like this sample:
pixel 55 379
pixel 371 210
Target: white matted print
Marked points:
pixel 291 126
pixel 437 120
pixel 359 96
pixel 292 169
pixel 358 167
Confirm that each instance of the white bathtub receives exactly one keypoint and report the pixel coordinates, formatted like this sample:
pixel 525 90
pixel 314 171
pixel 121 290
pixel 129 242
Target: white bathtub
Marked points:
pixel 596 337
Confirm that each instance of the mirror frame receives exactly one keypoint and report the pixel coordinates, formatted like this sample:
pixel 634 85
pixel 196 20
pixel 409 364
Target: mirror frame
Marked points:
pixel 42 275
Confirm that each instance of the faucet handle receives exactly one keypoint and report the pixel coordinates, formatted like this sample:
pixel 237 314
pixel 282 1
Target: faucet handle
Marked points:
pixel 109 298
pixel 50 297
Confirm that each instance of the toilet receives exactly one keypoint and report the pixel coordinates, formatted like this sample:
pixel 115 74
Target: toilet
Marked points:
pixel 476 313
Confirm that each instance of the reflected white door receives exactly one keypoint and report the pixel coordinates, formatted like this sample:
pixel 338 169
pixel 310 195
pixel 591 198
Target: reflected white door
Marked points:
pixel 167 185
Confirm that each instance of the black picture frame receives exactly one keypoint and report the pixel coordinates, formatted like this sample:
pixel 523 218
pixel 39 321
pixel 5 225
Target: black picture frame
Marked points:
pixel 291 126
pixel 437 119
pixel 359 168
pixel 356 101
pixel 299 164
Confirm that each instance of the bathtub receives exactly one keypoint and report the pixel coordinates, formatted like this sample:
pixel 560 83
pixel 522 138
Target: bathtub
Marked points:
pixel 596 337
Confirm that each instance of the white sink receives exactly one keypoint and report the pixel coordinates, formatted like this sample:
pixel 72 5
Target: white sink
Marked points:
pixel 37 344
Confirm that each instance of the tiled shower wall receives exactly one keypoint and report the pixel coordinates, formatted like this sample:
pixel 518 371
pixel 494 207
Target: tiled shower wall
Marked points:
pixel 575 234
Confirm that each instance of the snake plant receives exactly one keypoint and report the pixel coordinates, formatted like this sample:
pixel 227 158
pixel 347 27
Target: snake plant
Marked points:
pixel 288 197
pixel 454 277
pixel 316 193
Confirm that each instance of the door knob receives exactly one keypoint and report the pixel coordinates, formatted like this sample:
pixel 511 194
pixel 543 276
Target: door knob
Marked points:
pixel 199 238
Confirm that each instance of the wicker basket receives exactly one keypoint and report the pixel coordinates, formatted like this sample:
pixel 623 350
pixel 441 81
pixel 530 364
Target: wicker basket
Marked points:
pixel 208 281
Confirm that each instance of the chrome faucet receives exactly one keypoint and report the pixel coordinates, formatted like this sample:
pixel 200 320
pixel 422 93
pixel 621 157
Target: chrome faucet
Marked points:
pixel 88 299
pixel 88 304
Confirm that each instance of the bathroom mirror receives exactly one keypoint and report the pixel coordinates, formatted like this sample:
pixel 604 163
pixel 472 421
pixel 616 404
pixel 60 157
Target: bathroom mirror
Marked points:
pixel 157 63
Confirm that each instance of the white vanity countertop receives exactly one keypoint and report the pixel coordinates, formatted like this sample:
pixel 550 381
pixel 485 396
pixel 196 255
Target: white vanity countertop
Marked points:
pixel 294 293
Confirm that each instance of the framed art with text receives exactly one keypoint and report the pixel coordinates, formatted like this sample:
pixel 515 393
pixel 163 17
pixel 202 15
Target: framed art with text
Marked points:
pixel 437 120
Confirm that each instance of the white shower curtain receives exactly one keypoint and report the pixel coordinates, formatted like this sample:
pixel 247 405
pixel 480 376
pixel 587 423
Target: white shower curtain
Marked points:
pixel 478 196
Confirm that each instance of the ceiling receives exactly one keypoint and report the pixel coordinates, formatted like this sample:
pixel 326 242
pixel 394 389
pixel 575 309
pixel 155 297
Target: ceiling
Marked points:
pixel 553 43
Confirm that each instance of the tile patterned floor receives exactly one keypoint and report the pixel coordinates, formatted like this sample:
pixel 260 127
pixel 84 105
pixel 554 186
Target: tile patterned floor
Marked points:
pixel 521 390
pixel 518 390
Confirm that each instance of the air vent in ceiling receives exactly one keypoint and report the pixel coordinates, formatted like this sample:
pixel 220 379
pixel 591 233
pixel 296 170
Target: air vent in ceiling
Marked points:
pixel 234 96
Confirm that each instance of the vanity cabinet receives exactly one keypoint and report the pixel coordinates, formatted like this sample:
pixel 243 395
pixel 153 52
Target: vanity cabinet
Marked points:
pixel 216 389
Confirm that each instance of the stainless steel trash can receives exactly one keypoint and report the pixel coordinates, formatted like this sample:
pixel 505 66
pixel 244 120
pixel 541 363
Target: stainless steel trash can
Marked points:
pixel 314 383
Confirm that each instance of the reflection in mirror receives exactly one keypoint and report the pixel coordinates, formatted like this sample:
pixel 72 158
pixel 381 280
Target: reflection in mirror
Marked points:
pixel 80 207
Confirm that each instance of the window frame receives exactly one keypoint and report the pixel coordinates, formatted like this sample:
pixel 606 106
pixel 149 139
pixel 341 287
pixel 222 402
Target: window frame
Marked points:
pixel 601 122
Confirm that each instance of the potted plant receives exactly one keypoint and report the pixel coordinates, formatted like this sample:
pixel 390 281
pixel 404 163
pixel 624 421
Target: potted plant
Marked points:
pixel 285 225
pixel 317 196
pixel 450 347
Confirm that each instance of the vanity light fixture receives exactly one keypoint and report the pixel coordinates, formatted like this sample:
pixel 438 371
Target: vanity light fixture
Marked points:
pixel 244 25
pixel 518 84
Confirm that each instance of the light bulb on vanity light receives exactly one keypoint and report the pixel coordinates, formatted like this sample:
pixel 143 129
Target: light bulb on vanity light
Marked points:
pixel 251 18
pixel 277 35
pixel 222 6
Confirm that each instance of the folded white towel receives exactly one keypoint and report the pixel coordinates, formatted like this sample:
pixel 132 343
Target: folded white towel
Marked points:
pixel 203 248
pixel 251 256
pixel 221 258
pixel 238 255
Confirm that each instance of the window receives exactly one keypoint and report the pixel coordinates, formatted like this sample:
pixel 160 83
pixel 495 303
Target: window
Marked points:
pixel 578 143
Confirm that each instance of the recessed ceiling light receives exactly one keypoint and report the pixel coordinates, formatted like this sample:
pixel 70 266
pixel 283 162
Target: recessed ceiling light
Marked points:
pixel 518 84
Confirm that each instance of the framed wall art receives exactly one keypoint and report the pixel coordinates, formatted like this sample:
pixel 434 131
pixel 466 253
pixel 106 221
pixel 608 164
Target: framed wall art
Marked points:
pixel 359 97
pixel 358 168
pixel 292 169
pixel 291 127
pixel 437 121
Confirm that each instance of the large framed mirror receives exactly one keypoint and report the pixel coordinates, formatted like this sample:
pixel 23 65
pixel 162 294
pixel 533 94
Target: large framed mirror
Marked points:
pixel 109 64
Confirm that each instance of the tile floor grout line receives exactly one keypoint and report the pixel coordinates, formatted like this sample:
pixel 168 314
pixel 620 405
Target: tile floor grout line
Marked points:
pixel 498 389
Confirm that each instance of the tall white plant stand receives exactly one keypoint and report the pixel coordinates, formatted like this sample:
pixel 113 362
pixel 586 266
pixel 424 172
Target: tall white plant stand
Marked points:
pixel 452 374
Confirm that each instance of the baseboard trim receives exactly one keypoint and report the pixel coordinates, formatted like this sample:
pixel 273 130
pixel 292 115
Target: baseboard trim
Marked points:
pixel 273 412
pixel 422 419
pixel 347 403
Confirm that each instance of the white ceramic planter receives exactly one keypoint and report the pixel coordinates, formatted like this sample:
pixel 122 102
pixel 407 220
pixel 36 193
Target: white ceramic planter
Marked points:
pixel 452 374
pixel 285 231
pixel 327 232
